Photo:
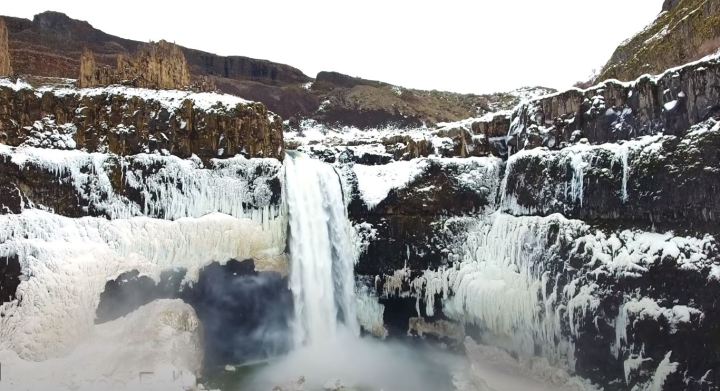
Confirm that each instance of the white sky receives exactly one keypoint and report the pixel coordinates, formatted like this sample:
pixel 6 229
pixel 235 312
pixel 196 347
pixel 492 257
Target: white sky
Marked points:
pixel 457 45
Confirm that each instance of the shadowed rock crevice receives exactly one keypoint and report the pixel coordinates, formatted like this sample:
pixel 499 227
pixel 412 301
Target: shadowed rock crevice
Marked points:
pixel 245 315
pixel 10 277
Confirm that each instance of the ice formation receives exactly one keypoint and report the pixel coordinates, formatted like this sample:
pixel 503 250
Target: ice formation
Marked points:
pixel 577 159
pixel 115 355
pixel 506 281
pixel 67 262
pixel 169 187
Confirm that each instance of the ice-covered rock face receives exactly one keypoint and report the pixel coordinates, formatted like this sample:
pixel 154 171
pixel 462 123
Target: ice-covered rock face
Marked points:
pixel 624 297
pixel 76 183
pixel 666 180
pixel 73 220
pixel 615 307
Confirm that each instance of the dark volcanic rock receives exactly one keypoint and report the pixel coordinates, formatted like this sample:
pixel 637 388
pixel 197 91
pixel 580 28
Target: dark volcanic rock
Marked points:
pixel 667 180
pixel 10 273
pixel 613 111
pixel 124 124
pixel 245 314
pixel 418 219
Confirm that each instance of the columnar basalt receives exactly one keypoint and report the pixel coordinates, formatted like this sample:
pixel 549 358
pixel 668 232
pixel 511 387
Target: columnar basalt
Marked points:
pixel 5 63
pixel 611 111
pixel 159 65
pixel 128 121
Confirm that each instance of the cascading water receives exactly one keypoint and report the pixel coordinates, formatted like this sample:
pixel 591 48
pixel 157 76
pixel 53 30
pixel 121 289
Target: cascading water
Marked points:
pixel 329 353
pixel 321 251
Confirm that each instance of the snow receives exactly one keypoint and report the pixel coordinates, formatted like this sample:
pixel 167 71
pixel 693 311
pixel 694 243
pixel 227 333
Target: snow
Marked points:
pixel 364 234
pixel 385 141
pixel 663 370
pixel 670 106
pixel 17 85
pixel 635 310
pixel 172 100
pixel 45 133
pixel 631 253
pixel 68 261
pixel 117 356
pixel 375 182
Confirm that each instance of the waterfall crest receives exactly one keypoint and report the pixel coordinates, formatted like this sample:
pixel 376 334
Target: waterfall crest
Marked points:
pixel 322 255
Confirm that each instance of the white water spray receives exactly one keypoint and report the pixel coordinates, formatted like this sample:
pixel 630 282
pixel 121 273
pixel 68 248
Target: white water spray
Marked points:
pixel 321 251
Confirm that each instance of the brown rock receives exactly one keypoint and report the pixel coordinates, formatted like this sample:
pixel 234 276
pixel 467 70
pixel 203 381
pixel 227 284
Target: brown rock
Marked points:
pixel 126 124
pixel 5 67
pixel 685 31
pixel 158 65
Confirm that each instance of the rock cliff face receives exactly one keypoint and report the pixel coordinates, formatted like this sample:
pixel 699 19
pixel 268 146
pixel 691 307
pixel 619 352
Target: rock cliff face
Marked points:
pixel 128 121
pixel 685 30
pixel 617 297
pixel 621 285
pixel 5 64
pixel 579 229
pixel 612 111
pixel 665 181
pixel 52 45
pixel 158 65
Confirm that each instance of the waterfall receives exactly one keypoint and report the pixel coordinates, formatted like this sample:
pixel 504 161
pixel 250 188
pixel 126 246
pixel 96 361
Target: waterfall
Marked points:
pixel 322 255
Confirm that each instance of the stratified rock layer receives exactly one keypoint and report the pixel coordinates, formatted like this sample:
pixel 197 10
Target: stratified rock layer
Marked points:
pixel 127 121
pixel 612 111
pixel 158 65
pixel 5 64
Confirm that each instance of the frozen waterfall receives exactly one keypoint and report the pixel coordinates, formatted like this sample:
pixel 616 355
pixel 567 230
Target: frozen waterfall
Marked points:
pixel 321 251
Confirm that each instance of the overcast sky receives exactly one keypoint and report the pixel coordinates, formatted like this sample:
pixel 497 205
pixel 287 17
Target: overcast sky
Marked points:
pixel 456 45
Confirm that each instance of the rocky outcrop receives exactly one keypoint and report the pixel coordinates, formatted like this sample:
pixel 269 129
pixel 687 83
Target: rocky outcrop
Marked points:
pixel 417 217
pixel 158 65
pixel 663 181
pixel 127 121
pixel 685 31
pixel 352 101
pixel 52 44
pixel 612 111
pixel 262 301
pixel 5 63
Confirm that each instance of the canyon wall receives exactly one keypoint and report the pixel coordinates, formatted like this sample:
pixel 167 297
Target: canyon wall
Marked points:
pixel 157 65
pixel 5 63
pixel 597 235
pixel 128 121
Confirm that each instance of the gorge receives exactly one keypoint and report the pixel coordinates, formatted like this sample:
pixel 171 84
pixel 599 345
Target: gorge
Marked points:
pixel 348 234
